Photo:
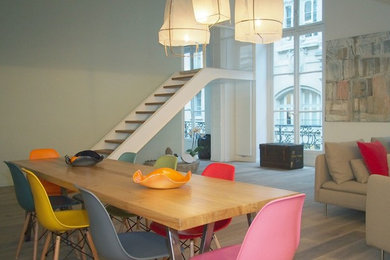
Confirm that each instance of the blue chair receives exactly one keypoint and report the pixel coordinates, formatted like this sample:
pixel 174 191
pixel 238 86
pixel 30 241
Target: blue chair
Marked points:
pixel 128 157
pixel 25 199
pixel 110 244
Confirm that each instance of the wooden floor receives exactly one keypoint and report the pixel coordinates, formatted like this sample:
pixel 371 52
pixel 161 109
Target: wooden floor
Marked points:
pixel 340 235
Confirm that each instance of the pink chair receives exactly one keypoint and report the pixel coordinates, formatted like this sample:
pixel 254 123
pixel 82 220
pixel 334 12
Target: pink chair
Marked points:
pixel 213 170
pixel 274 233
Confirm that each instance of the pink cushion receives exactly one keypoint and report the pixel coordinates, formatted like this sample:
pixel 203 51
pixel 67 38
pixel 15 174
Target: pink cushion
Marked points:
pixel 375 157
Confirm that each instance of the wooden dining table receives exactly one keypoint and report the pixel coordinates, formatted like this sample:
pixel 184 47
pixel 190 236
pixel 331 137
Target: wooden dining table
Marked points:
pixel 201 201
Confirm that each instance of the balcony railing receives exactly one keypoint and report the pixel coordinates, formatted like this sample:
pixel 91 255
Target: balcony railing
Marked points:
pixel 310 135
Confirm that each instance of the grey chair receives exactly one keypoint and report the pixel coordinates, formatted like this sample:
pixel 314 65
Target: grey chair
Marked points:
pixel 110 244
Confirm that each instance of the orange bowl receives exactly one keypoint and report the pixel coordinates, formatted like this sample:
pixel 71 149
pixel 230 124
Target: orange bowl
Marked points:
pixel 162 178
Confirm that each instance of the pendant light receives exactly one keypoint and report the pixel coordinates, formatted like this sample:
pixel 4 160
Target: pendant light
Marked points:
pixel 211 11
pixel 259 21
pixel 180 27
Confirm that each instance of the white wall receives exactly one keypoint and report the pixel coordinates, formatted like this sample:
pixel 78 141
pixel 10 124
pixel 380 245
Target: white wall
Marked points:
pixel 350 18
pixel 70 70
pixel 233 117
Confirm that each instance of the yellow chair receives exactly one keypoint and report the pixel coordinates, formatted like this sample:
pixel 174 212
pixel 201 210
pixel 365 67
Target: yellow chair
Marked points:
pixel 58 222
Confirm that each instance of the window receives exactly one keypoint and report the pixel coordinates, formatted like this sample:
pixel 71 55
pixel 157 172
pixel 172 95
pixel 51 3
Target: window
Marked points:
pixel 194 111
pixel 193 58
pixel 297 78
pixel 288 17
pixel 308 11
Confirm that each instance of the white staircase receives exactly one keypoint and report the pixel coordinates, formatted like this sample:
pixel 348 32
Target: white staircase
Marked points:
pixel 146 120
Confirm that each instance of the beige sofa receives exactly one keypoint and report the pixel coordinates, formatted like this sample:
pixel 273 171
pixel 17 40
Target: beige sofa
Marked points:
pixel 346 185
pixel 378 212
pixel 350 194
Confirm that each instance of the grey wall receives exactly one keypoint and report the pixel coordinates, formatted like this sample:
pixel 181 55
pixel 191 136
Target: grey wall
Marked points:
pixel 70 70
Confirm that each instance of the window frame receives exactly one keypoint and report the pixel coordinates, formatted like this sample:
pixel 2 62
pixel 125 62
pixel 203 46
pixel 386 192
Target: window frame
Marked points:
pixel 193 109
pixel 296 31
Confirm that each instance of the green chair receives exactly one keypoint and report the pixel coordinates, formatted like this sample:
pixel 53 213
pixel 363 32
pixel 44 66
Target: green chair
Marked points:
pixel 121 215
pixel 128 157
pixel 166 161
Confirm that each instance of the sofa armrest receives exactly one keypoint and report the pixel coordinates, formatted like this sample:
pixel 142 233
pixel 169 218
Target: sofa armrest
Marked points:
pixel 378 212
pixel 321 174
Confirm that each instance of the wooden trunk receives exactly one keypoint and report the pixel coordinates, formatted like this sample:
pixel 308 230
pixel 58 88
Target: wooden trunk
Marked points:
pixel 281 155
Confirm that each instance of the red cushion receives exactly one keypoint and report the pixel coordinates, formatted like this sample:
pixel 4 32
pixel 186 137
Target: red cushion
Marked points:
pixel 375 157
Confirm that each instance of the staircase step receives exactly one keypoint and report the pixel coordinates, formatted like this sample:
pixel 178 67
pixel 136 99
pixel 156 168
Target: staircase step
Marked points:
pixel 144 112
pixel 194 71
pixel 183 77
pixel 164 94
pixel 125 131
pixel 173 86
pixel 135 121
pixel 115 141
pixel 154 103
pixel 104 151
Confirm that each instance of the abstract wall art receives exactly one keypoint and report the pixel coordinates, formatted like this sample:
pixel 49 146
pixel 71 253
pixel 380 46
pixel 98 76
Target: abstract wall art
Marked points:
pixel 358 79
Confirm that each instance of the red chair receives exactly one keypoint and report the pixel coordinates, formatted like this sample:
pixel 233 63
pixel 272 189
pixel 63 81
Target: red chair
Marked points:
pixel 213 170
pixel 274 234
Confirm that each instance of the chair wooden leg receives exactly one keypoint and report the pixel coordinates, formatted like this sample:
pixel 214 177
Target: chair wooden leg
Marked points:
pixel 36 231
pixel 46 245
pixel 382 254
pixel 137 226
pixel 326 209
pixel 146 223
pixel 192 248
pixel 21 239
pixel 83 253
pixel 57 248
pixel 92 246
pixel 216 241
pixel 125 222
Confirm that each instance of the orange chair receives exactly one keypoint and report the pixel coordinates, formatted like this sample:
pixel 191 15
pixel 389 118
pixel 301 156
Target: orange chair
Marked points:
pixel 48 153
